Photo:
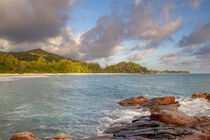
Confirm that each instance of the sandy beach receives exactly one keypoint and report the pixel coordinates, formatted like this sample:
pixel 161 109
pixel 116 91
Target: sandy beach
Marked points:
pixel 54 74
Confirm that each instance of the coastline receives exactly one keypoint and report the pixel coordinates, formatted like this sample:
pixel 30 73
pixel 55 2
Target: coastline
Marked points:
pixel 54 74
pixel 165 121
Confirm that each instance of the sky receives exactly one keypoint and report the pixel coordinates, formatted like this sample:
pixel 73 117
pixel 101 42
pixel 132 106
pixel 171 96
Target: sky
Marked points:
pixel 160 35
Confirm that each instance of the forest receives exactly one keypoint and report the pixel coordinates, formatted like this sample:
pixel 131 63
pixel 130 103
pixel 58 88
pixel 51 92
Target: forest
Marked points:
pixel 39 61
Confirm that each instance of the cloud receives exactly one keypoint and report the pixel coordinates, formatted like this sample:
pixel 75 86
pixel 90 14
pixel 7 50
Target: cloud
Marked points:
pixel 43 24
pixel 200 35
pixel 203 51
pixel 64 44
pixel 135 21
pixel 143 23
pixel 175 61
pixel 141 55
pixel 104 39
pixel 33 20
pixel 170 58
pixel 195 58
pixel 194 3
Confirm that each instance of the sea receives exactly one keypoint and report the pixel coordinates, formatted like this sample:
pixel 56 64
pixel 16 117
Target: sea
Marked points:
pixel 85 105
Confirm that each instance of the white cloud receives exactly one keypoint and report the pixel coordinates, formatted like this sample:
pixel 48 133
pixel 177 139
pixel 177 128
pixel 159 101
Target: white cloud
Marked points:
pixel 141 55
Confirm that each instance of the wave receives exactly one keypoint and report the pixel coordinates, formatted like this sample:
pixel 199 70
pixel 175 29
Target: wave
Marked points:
pixel 119 116
pixel 13 78
pixel 194 107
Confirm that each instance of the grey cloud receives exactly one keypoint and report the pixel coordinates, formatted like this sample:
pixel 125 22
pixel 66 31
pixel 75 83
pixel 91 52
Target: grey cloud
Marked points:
pixel 203 51
pixel 33 20
pixel 203 55
pixel 194 3
pixel 200 35
pixel 42 23
pixel 103 39
pixel 141 55
pixel 143 24
pixel 170 58
pixel 136 21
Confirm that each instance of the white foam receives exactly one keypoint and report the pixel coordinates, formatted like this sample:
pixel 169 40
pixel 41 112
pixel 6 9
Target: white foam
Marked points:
pixel 5 79
pixel 13 78
pixel 119 116
pixel 195 107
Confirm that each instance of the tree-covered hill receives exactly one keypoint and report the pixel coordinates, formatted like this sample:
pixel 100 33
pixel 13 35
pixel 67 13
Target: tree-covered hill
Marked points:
pixel 40 61
pixel 126 67
pixel 33 55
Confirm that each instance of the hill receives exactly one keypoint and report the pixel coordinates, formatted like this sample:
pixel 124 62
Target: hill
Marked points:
pixel 33 55
pixel 126 67
pixel 40 61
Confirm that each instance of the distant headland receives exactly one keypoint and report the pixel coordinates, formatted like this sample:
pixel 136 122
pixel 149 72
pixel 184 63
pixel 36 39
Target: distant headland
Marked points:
pixel 40 61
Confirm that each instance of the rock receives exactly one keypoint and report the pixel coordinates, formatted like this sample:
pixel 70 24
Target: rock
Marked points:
pixel 137 101
pixel 99 138
pixel 177 118
pixel 60 137
pixel 24 136
pixel 30 136
pixel 133 101
pixel 204 127
pixel 203 95
pixel 156 133
pixel 198 136
pixel 160 101
pixel 144 127
pixel 140 124
pixel 111 138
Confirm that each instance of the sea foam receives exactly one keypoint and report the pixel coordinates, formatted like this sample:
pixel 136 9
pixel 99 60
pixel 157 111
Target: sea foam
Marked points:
pixel 13 78
pixel 195 107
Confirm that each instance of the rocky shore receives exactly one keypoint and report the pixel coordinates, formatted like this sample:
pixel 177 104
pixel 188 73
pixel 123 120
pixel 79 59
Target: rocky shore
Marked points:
pixel 165 122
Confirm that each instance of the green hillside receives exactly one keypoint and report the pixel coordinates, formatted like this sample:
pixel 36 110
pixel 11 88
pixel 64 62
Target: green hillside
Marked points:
pixel 126 67
pixel 33 55
pixel 40 61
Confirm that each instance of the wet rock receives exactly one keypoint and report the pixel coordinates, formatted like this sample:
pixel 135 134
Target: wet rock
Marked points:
pixel 198 136
pixel 24 136
pixel 140 124
pixel 204 127
pixel 156 133
pixel 203 95
pixel 145 102
pixel 60 137
pixel 177 118
pixel 147 128
pixel 112 138
pixel 173 117
pixel 134 101
pixel 98 138
pixel 154 102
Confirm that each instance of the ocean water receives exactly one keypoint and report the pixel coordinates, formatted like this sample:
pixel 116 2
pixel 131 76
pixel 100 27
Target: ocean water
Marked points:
pixel 84 105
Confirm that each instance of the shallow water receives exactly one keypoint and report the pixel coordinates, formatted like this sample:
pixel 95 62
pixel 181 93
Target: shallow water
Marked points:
pixel 84 105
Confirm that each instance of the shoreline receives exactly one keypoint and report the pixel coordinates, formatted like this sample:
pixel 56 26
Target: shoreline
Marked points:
pixel 57 74
pixel 54 74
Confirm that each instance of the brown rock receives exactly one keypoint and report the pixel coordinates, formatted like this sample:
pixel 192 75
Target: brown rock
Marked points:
pixel 137 101
pixel 198 136
pixel 203 95
pixel 173 117
pixel 154 102
pixel 24 136
pixel 177 118
pixel 133 101
pixel 60 137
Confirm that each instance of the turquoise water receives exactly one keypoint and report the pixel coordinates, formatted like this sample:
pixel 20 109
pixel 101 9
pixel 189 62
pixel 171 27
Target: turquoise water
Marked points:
pixel 84 105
